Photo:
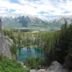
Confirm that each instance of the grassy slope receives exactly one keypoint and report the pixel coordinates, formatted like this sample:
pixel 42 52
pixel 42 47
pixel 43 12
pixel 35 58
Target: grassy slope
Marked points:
pixel 7 65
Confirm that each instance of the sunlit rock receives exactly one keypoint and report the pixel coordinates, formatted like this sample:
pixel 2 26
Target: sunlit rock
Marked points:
pixel 56 67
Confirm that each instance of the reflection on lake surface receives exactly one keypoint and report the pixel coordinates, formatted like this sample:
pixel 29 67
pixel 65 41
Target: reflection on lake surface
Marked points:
pixel 24 53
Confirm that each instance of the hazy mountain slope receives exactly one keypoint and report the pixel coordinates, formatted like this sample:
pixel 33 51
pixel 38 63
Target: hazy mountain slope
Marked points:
pixel 34 22
pixel 10 22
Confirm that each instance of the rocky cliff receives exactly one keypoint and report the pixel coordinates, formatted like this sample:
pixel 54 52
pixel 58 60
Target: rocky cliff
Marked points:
pixel 5 44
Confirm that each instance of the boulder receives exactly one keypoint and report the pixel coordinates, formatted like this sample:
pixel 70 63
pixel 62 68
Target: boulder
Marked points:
pixel 56 67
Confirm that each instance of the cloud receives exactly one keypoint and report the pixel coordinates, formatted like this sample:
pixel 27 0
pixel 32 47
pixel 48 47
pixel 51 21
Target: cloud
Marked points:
pixel 39 8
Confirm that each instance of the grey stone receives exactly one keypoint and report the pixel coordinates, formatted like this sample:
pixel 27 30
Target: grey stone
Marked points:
pixel 56 67
pixel 5 44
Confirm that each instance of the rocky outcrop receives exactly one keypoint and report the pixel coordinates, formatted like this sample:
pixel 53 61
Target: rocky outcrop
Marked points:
pixel 5 44
pixel 54 67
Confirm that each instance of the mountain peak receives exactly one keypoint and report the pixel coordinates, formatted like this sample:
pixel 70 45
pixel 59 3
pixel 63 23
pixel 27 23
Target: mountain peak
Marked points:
pixel 34 22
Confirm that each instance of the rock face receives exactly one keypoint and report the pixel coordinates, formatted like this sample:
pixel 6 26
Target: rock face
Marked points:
pixel 5 44
pixel 56 67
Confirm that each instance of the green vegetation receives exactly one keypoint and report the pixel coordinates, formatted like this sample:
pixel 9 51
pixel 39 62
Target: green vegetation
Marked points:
pixel 61 48
pixel 43 40
pixel 35 62
pixel 56 44
pixel 64 46
pixel 8 65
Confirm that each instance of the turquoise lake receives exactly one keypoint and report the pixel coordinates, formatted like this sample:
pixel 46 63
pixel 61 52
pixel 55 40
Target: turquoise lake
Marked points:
pixel 24 53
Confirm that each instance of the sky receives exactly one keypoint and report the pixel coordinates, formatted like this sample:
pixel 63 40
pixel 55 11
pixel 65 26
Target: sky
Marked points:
pixel 40 8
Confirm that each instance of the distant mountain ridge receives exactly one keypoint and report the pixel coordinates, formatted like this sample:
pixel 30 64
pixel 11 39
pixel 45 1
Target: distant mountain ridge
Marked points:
pixel 34 22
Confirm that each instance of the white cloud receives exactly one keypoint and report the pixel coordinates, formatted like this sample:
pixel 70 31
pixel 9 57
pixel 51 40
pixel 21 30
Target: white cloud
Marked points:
pixel 30 7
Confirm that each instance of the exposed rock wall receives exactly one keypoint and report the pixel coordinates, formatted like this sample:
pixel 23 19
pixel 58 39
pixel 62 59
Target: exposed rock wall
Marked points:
pixel 5 44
